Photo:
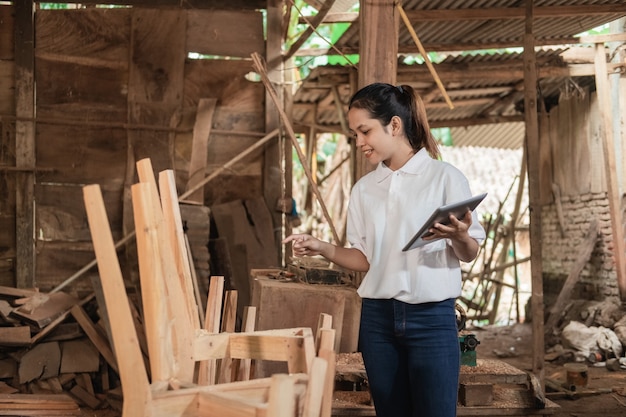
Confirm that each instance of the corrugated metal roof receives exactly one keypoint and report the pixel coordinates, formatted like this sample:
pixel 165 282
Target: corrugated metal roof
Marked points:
pixel 484 89
pixel 464 25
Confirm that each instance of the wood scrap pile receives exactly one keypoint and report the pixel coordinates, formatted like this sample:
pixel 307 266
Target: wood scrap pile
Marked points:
pixel 55 355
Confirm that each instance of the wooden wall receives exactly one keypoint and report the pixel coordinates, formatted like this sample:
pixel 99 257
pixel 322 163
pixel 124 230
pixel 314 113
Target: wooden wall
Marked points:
pixel 7 146
pixel 114 86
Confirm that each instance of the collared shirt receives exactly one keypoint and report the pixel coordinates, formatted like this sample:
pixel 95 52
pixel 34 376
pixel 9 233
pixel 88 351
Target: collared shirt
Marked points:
pixel 386 208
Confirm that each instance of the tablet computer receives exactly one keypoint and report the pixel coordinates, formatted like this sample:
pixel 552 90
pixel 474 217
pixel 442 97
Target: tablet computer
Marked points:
pixel 442 215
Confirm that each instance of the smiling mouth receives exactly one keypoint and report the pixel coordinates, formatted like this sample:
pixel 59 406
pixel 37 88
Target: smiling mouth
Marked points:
pixel 368 152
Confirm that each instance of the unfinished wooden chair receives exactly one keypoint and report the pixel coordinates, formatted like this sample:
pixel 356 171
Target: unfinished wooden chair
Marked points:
pixel 179 350
pixel 175 345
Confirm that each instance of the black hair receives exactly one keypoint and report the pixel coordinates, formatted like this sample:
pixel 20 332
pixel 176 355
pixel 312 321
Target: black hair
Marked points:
pixel 383 101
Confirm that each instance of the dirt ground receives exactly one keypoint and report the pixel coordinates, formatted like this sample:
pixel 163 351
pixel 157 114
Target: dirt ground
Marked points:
pixel 604 396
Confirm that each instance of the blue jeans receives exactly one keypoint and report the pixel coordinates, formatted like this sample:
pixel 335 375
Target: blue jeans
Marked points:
pixel 412 357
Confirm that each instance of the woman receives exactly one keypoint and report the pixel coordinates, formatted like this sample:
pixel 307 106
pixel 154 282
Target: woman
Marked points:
pixel 408 335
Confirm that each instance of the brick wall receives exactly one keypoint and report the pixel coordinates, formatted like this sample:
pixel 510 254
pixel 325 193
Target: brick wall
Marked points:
pixel 560 249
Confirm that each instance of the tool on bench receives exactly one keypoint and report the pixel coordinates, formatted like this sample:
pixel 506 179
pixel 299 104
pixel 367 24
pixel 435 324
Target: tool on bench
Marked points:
pixel 468 342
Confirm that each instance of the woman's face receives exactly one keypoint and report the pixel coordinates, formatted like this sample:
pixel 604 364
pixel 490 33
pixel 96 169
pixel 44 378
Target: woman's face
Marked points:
pixel 372 138
pixel 377 142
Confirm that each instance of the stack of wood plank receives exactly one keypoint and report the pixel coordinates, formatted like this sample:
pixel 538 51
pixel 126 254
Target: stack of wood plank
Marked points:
pixel 54 354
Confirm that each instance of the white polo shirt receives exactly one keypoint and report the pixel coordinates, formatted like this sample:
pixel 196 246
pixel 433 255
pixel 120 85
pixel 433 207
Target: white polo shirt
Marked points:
pixel 386 208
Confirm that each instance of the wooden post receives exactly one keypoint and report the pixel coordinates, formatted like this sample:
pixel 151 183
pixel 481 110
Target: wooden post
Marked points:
pixel 612 181
pixel 378 33
pixel 24 144
pixel 277 160
pixel 532 149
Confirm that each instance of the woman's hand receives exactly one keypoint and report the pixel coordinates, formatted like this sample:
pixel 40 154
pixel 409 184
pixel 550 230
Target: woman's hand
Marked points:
pixel 307 245
pixel 456 229
pixel 304 245
pixel 465 247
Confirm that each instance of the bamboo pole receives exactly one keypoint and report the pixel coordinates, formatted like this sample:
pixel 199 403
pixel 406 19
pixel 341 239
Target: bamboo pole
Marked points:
pixel 260 68
pixel 429 64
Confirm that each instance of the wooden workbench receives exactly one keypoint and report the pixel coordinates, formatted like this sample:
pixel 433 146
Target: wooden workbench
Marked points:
pixel 284 303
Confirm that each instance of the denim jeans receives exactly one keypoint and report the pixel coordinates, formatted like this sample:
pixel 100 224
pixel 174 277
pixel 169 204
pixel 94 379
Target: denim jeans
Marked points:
pixel 412 357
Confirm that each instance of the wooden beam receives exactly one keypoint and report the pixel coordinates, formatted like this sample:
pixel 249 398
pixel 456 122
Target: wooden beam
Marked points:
pixel 611 37
pixel 425 56
pixel 499 13
pixel 612 181
pixel 187 4
pixel 441 15
pixel 532 150
pixel 25 144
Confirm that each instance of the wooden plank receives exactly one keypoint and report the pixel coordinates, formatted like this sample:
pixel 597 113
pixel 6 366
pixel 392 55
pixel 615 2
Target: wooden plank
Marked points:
pixel 181 317
pixel 17 292
pixel 95 336
pixel 207 369
pixel 15 336
pixel 41 315
pixel 210 32
pixel 133 377
pixel 78 356
pixel 40 362
pixel 24 144
pixel 228 326
pixel 38 405
pixel 85 397
pixel 53 325
pixel 153 286
pixel 199 146
pixel 248 323
pixel 176 236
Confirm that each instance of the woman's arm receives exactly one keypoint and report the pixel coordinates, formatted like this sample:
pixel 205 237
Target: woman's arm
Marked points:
pixel 349 258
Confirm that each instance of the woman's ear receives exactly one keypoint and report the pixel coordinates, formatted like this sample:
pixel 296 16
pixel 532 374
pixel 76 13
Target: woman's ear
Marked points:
pixel 396 125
